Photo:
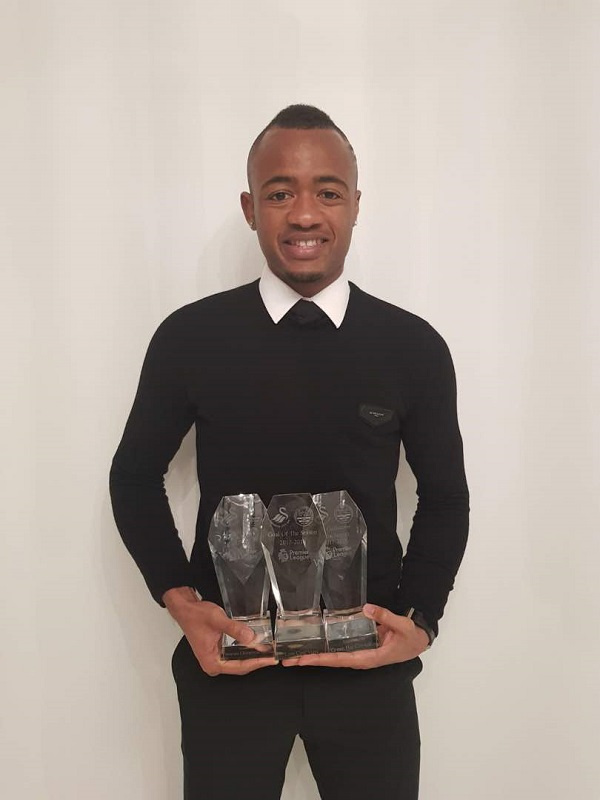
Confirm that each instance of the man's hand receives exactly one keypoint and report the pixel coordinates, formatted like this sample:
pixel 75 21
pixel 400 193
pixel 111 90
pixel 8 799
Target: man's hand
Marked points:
pixel 203 624
pixel 399 640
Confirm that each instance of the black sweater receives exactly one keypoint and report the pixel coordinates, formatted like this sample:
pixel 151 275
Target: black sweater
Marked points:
pixel 284 408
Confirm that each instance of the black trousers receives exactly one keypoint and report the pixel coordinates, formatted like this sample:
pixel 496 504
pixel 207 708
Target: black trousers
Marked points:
pixel 359 727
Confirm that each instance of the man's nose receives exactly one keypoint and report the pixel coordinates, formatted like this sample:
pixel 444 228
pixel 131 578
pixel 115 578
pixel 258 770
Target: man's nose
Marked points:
pixel 305 212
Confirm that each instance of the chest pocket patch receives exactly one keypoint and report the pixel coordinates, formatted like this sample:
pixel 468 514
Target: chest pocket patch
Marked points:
pixel 375 415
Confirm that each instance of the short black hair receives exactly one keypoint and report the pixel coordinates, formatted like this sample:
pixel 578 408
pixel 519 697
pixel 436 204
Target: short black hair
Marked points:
pixel 299 117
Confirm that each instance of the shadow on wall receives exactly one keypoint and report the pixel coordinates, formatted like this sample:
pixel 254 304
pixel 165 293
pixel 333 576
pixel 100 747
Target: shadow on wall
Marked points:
pixel 148 637
pixel 230 258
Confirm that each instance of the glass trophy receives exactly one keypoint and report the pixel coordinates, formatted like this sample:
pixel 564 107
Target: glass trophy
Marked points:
pixel 295 551
pixel 345 574
pixel 234 539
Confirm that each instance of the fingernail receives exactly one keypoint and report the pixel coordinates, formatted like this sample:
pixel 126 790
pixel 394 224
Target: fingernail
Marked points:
pixel 368 609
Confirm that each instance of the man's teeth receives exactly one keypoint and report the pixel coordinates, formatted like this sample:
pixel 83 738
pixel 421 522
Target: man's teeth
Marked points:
pixel 307 242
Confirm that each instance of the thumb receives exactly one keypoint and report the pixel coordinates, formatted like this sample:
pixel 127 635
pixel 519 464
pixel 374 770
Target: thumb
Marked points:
pixel 381 615
pixel 240 632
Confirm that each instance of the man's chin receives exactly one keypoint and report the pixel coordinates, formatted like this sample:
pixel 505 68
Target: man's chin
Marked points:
pixel 289 276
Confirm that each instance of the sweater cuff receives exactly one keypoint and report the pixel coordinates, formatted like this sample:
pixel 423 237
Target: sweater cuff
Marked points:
pixel 175 580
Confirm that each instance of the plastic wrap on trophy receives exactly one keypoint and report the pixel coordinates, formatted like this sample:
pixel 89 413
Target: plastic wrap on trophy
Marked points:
pixel 295 551
pixel 234 539
pixel 345 574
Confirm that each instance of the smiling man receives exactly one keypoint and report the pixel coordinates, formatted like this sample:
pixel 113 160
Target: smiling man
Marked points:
pixel 299 382
pixel 303 203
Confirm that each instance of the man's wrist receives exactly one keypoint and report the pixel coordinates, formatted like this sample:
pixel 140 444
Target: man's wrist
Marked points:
pixel 423 637
pixel 419 620
pixel 180 599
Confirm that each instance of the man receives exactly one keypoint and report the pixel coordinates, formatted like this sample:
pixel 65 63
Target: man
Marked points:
pixel 290 396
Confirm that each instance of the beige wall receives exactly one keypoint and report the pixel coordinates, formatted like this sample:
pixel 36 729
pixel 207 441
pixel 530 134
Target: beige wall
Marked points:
pixel 126 125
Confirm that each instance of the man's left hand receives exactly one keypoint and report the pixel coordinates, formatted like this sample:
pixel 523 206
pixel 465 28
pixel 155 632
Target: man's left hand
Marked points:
pixel 399 640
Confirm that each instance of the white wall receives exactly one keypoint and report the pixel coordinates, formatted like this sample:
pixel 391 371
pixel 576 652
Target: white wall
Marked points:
pixel 126 126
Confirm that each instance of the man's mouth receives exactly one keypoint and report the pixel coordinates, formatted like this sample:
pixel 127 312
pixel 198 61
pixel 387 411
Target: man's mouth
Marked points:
pixel 304 248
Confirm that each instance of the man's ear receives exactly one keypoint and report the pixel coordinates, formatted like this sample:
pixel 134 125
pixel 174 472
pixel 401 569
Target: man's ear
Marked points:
pixel 357 204
pixel 247 202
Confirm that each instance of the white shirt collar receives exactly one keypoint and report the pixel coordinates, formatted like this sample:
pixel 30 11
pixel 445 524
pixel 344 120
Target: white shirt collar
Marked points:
pixel 278 297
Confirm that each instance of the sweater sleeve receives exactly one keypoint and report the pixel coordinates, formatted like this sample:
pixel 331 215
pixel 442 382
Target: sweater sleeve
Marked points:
pixel 433 446
pixel 160 418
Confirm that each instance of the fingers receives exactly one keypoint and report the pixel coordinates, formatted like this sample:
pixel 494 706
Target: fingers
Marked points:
pixel 394 647
pixel 206 639
pixel 359 659
pixel 210 621
pixel 237 630
pixel 244 667
pixel 384 616
pixel 214 665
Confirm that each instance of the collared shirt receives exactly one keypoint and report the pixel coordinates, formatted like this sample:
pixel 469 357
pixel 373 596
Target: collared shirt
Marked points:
pixel 278 297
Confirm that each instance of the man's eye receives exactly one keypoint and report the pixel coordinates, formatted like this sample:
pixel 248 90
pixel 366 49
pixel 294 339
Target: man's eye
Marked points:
pixel 329 194
pixel 278 196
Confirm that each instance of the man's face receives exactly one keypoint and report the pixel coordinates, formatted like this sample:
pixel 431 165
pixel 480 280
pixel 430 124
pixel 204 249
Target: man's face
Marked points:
pixel 303 201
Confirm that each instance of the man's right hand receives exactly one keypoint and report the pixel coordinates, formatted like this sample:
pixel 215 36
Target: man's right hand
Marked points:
pixel 204 624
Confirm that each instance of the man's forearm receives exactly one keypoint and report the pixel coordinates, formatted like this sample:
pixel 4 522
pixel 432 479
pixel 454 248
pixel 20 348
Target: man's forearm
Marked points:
pixel 159 419
pixel 434 553
pixel 434 451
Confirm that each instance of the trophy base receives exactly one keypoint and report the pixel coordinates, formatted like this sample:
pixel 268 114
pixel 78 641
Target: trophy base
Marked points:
pixel 349 631
pixel 232 650
pixel 299 636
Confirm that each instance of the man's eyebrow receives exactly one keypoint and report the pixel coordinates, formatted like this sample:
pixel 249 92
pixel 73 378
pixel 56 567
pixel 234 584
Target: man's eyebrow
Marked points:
pixel 277 179
pixel 331 179
pixel 288 179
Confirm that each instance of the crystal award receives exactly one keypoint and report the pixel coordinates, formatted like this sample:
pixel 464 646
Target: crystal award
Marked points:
pixel 234 539
pixel 345 574
pixel 295 550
